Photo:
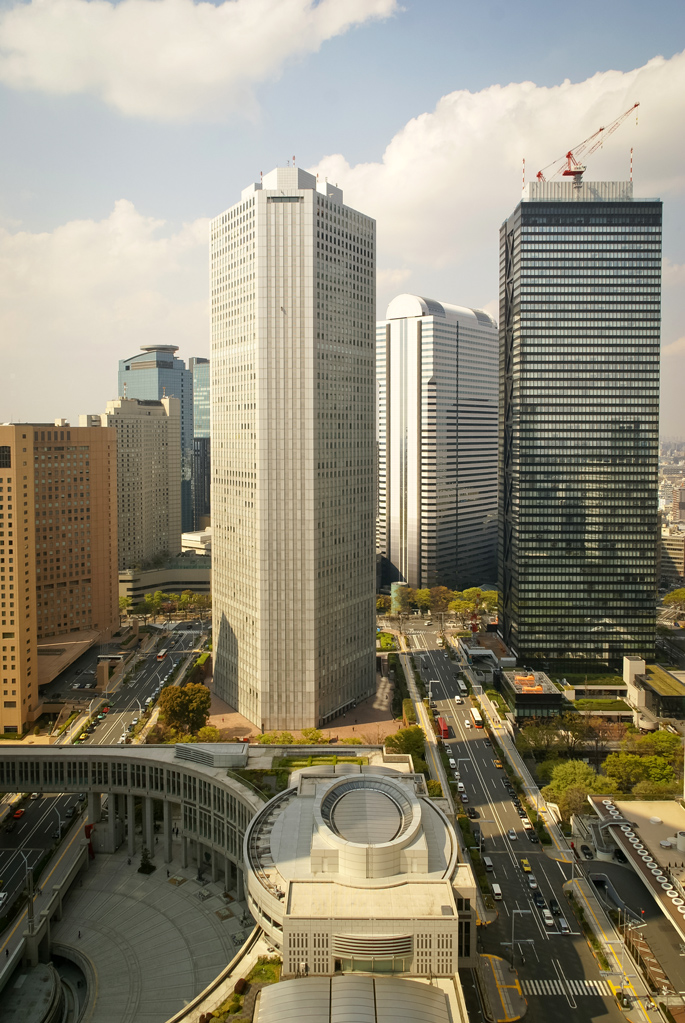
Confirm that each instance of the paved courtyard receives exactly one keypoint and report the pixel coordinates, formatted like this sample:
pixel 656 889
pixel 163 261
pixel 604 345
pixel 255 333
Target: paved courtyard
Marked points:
pixel 154 942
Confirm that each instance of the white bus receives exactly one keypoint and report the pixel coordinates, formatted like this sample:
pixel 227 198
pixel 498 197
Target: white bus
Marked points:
pixel 462 687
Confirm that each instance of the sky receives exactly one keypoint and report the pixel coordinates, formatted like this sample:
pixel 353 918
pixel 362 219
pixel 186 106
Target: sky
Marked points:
pixel 126 126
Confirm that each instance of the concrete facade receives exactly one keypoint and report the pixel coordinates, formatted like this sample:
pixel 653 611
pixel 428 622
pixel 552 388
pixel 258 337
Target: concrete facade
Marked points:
pixel 58 518
pixel 148 477
pixel 293 468
pixel 437 378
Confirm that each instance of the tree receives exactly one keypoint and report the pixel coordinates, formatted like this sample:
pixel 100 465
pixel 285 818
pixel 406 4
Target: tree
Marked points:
pixel 440 599
pixel 434 788
pixel 408 740
pixel 198 702
pixel 172 706
pixel 352 740
pixel 383 604
pixel 422 599
pixel 143 610
pixel 578 779
pixel 462 610
pixel 675 599
pixel 657 790
pixel 538 738
pixel 491 601
pixel 574 730
pixel 208 733
pixel 662 744
pixel 625 770
pixel 313 736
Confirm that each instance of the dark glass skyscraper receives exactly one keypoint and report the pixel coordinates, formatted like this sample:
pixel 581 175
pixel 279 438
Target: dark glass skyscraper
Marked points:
pixel 155 374
pixel 580 284
pixel 202 472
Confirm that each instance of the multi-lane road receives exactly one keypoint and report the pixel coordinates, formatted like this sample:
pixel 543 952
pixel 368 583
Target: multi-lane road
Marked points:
pixel 128 702
pixel 551 964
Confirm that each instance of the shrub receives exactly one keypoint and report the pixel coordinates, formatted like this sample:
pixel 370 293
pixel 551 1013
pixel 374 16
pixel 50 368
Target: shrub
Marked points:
pixel 240 986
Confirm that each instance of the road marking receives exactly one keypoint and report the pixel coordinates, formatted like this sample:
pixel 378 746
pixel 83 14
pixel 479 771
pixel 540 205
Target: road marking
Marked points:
pixel 567 990
pixel 591 988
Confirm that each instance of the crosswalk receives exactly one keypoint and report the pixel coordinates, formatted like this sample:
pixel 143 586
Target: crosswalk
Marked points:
pixel 555 987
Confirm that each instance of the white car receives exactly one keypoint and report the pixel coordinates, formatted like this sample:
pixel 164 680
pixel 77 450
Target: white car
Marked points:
pixel 467 723
pixel 511 835
pixel 532 883
pixel 452 763
pixel 3 898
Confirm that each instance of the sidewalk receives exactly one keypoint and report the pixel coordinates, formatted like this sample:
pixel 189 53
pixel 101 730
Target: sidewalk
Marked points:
pixel 503 994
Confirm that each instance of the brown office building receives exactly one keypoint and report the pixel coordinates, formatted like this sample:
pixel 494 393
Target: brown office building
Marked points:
pixel 58 577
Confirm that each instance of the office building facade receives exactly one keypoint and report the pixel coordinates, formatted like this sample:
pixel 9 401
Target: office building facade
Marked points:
pixel 580 275
pixel 57 556
pixel 155 374
pixel 292 391
pixel 436 373
pixel 148 469
pixel 202 464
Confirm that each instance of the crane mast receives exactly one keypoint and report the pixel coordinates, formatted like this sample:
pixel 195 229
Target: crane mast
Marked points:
pixel 570 165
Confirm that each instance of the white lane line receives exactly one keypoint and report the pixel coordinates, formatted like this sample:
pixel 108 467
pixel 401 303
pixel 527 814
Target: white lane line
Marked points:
pixel 564 984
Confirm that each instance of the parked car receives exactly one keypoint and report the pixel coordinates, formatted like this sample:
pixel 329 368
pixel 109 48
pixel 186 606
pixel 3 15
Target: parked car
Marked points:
pixel 35 795
pixel 472 812
pixel 10 826
pixel 3 898
pixel 467 723
pixel 563 926
pixel 498 764
pixel 453 763
pixel 539 900
pixel 554 907
pixel 620 856
pixel 18 814
pixel 464 798
pixel 70 811
pixel 586 851
pixel 532 837
pixel 488 743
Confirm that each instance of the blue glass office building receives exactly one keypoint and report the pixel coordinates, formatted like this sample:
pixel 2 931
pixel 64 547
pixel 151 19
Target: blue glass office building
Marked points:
pixel 157 373
pixel 580 282
pixel 202 475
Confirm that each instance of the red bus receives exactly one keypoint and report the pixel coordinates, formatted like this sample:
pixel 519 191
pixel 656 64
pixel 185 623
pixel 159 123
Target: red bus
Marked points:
pixel 443 730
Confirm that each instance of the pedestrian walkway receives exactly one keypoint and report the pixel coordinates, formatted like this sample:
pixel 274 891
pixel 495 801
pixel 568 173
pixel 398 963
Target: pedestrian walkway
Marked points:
pixel 598 988
pixel 155 942
pixel 502 989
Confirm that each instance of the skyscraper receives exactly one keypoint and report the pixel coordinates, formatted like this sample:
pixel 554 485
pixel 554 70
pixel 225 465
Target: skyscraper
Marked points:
pixel 580 276
pixel 292 370
pixel 57 556
pixel 202 474
pixel 148 466
pixel 436 368
pixel 156 374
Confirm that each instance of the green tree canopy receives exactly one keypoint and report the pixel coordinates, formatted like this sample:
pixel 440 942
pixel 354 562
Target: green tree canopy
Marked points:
pixel 422 599
pixel 408 740
pixel 462 610
pixel 440 599
pixel 185 707
pixel 313 736
pixel 625 770
pixel 675 599
pixel 383 604
pixel 571 783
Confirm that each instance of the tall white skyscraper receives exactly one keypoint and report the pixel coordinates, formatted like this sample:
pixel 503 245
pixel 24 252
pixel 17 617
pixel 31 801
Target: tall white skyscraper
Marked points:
pixel 292 393
pixel 437 372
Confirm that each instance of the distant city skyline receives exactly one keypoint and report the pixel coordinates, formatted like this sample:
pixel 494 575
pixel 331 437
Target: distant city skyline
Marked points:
pixel 103 221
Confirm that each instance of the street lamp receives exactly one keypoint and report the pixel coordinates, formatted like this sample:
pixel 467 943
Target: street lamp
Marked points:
pixel 59 823
pixel 29 887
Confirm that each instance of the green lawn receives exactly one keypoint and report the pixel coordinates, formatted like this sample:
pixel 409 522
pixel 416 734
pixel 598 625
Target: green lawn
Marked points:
pixel 387 640
pixel 600 705
pixel 592 679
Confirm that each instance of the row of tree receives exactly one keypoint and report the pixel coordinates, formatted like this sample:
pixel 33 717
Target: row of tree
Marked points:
pixel 463 604
pixel 645 767
pixel 161 605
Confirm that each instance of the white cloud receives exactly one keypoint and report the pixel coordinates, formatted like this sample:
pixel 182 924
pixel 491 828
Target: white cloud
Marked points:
pixel 75 301
pixel 167 59
pixel 676 347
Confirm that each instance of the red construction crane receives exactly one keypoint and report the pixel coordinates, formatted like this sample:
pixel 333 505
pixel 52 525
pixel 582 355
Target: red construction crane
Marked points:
pixel 569 165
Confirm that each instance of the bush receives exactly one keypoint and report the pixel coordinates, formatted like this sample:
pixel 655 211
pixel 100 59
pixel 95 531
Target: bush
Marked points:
pixel 408 712
pixel 434 788
pixel 240 986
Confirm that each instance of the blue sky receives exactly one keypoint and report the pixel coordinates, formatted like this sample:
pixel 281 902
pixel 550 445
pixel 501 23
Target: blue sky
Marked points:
pixel 125 127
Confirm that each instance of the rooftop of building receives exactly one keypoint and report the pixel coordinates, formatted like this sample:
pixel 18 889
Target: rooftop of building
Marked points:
pixel 529 682
pixel 355 841
pixel 364 999
pixel 662 681
pixel 488 641
pixel 412 306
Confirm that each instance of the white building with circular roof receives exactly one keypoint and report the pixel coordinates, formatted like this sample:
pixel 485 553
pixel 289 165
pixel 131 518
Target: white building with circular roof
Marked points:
pixel 355 869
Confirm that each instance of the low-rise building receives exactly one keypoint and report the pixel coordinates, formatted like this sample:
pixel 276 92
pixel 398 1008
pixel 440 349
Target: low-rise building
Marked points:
pixel 354 869
pixel 188 571
pixel 199 541
pixel 654 689
pixel 672 559
pixel 531 694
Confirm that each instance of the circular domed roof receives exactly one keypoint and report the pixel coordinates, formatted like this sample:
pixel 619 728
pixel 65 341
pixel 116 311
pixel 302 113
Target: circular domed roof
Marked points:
pixel 366 817
pixel 367 811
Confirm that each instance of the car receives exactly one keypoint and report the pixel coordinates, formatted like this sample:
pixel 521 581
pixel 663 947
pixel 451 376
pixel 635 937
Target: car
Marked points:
pixel 57 834
pixel 498 764
pixel 3 898
pixel 18 814
pixel 76 686
pixel 525 866
pixel 554 907
pixel 539 900
pixel 587 852
pixel 511 835
pixel 620 856
pixel 472 813
pixel 134 722
pixel 522 813
pixel 563 926
pixel 10 826
pixel 100 716
pixel 526 824
pixel 36 795
pixel 464 798
pixel 89 685
pixel 488 743
pixel 467 723
pixel 452 762
pixel 82 797
pixel 70 811
pixel 460 785
pixel 532 837
pixel 547 918
pixel 105 710
pixel 532 882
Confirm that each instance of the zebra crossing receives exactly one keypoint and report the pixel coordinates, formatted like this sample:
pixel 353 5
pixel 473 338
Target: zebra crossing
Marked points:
pixel 555 987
